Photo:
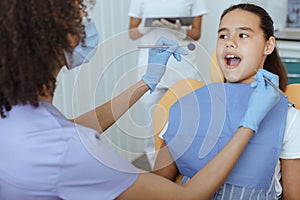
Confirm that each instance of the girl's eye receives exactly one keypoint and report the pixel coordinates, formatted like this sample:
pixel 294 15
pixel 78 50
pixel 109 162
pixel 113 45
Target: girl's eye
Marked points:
pixel 223 36
pixel 242 35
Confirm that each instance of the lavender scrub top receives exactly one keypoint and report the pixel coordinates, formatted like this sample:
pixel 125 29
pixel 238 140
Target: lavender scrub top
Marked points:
pixel 45 156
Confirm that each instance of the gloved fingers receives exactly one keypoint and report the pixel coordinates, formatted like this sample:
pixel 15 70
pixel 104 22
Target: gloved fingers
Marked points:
pixel 177 56
pixel 260 80
pixel 168 24
pixel 181 51
pixel 270 76
pixel 143 30
pixel 176 52
pixel 254 84
pixel 176 49
pixel 164 41
pixel 157 23
pixel 263 85
pixel 173 49
pixel 178 24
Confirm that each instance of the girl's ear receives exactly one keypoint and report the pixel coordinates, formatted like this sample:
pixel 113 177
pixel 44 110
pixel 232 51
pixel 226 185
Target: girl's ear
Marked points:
pixel 270 45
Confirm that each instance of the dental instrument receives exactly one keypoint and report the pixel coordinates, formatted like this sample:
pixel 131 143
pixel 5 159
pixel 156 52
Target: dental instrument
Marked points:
pixel 274 86
pixel 190 46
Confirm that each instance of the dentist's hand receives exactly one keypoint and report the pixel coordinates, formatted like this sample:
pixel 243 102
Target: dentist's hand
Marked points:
pixel 262 100
pixel 157 61
pixel 144 30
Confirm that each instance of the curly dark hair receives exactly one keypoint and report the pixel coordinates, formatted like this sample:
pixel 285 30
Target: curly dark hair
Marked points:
pixel 33 37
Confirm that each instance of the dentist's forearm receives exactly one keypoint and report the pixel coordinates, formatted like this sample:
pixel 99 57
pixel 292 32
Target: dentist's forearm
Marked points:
pixel 102 117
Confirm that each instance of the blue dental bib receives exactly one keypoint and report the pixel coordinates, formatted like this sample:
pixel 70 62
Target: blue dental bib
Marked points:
pixel 202 123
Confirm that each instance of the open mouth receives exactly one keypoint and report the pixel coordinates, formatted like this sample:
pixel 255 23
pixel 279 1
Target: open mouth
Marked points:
pixel 232 60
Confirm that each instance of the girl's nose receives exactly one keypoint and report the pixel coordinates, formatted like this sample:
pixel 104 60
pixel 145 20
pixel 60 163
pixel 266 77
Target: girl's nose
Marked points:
pixel 230 43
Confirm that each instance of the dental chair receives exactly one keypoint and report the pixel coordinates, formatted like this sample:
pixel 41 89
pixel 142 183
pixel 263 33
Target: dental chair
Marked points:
pixel 214 69
pixel 293 93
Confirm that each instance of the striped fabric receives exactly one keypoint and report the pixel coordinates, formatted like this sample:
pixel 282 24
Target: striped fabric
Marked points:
pixel 232 192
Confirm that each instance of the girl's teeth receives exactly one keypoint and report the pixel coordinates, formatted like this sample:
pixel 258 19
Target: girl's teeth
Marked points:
pixel 230 56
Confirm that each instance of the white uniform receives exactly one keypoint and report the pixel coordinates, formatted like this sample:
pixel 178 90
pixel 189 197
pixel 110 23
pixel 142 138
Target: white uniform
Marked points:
pixel 291 143
pixel 176 71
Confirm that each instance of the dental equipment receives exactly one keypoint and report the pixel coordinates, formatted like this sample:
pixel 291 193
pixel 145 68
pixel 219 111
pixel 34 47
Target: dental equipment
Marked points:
pixel 274 86
pixel 190 46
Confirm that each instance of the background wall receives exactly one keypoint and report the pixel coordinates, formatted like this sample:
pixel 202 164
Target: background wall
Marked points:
pixel 113 67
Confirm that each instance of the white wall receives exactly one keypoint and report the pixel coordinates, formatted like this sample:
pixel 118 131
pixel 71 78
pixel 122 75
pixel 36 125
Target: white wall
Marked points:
pixel 276 9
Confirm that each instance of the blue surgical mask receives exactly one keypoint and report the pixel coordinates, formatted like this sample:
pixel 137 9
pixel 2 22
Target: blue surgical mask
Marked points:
pixel 83 54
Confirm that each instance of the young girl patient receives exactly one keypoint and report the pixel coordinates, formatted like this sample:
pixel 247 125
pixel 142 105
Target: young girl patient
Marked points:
pixel 201 123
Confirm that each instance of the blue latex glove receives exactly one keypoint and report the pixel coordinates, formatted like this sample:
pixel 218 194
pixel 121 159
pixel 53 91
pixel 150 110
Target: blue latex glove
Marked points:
pixel 157 61
pixel 262 100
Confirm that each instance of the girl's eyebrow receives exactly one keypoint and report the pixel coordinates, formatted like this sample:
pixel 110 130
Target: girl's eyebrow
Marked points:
pixel 222 29
pixel 244 28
